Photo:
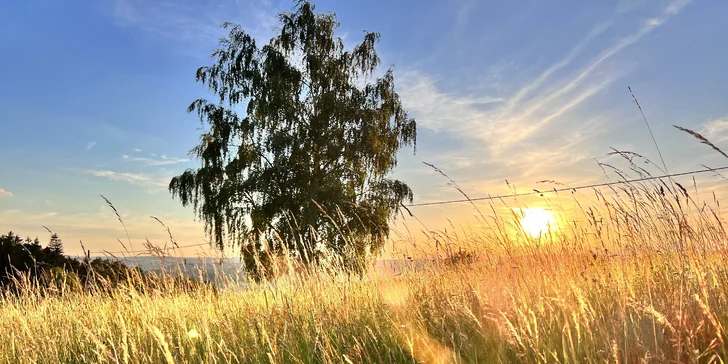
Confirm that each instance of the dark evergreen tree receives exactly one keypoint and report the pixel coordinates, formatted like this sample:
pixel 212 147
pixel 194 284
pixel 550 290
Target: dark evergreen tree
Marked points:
pixel 28 258
pixel 54 252
pixel 55 245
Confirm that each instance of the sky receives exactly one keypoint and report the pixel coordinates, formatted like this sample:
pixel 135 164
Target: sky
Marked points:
pixel 93 100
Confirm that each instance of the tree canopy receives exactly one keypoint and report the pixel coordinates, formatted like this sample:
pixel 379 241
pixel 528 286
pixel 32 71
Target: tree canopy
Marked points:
pixel 299 142
pixel 27 258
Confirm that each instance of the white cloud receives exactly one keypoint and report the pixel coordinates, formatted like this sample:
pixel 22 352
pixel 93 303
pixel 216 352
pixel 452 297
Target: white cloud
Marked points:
pixel 195 23
pixel 654 22
pixel 120 176
pixel 435 110
pixel 164 161
pixel 90 145
pixel 526 113
pixel 573 53
pixel 4 193
pixel 137 150
pixel 676 6
pixel 501 127
pixel 155 183
pixel 715 130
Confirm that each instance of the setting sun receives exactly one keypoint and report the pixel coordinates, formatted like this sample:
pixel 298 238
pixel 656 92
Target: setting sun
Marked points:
pixel 246 181
pixel 537 221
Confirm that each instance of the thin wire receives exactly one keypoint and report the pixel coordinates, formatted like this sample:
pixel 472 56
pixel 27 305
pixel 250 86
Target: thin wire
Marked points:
pixel 535 192
pixel 556 190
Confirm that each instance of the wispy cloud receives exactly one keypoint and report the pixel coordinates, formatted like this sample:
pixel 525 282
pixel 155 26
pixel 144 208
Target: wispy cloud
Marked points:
pixel 164 160
pixel 501 127
pixel 131 178
pixel 136 150
pixel 195 23
pixel 90 145
pixel 120 176
pixel 716 130
pixel 538 103
pixel 4 193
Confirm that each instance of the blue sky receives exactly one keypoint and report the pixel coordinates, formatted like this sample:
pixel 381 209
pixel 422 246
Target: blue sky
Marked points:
pixel 93 98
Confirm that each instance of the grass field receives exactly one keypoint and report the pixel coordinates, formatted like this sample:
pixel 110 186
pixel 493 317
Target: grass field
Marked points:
pixel 642 279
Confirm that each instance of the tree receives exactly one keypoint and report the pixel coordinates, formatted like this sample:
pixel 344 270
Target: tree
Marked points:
pixel 54 251
pixel 55 245
pixel 299 143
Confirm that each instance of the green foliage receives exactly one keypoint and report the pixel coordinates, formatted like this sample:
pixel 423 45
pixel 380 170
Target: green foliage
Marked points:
pixel 27 262
pixel 299 144
pixel 27 256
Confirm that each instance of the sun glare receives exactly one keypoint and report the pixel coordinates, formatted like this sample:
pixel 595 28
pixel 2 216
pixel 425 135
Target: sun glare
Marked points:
pixel 537 221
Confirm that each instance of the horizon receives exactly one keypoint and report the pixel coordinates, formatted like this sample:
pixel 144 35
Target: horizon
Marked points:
pixel 503 95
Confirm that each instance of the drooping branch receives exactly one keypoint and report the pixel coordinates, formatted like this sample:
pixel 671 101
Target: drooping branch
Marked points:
pixel 307 164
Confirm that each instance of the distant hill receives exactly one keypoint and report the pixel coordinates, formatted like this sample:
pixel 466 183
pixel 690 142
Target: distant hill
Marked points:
pixel 204 268
pixel 213 269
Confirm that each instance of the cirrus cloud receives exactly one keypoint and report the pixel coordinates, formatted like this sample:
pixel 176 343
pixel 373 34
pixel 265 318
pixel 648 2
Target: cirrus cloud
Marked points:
pixel 139 179
pixel 507 123
pixel 164 160
pixel 716 130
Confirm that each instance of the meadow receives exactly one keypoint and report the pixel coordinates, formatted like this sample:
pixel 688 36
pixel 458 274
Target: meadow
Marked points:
pixel 642 279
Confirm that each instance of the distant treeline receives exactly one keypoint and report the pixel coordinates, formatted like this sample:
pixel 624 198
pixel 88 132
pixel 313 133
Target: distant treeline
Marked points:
pixel 28 261
pixel 27 264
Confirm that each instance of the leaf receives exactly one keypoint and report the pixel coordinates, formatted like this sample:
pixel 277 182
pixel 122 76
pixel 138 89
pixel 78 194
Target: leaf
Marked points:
pixel 304 167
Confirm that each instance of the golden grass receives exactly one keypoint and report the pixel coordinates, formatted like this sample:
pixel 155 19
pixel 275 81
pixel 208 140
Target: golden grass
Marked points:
pixel 642 279
pixel 640 276
pixel 622 309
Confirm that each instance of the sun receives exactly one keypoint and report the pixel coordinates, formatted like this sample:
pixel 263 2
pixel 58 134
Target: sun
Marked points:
pixel 536 221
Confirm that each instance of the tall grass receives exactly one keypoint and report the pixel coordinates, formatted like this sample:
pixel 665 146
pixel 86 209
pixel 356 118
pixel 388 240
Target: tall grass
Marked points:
pixel 633 273
pixel 642 277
